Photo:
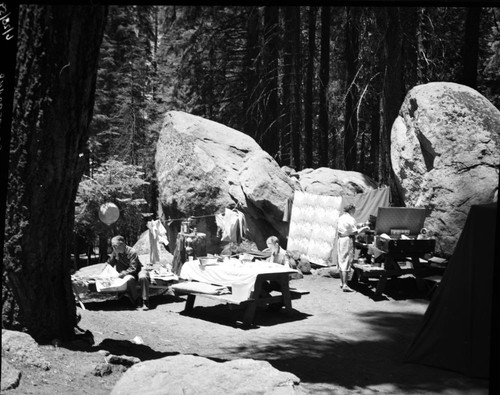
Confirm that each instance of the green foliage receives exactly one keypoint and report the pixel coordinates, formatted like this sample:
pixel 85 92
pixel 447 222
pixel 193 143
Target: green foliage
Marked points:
pixel 118 183
pixel 489 56
pixel 205 48
pixel 124 108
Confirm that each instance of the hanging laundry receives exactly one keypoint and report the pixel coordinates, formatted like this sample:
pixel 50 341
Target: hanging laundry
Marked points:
pixel 232 225
pixel 242 226
pixel 157 234
pixel 287 214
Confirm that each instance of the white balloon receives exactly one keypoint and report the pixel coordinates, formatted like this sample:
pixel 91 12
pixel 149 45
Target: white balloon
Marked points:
pixel 109 213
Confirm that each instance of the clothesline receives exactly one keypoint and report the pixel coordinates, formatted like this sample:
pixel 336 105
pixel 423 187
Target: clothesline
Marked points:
pixel 170 220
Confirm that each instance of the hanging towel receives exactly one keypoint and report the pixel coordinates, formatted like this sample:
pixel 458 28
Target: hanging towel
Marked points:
pixel 242 226
pixel 157 234
pixel 232 225
pixel 287 214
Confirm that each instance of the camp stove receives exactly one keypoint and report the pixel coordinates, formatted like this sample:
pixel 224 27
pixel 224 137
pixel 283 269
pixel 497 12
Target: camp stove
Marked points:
pixel 397 230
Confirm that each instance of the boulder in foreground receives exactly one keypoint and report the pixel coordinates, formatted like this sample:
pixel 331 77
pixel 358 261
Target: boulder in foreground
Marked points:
pixel 189 374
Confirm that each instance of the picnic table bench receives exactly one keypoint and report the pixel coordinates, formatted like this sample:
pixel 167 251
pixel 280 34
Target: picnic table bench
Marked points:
pixel 393 267
pixel 258 296
pixel 85 282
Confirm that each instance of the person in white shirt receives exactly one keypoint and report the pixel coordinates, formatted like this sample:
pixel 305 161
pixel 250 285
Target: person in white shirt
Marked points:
pixel 347 230
pixel 278 254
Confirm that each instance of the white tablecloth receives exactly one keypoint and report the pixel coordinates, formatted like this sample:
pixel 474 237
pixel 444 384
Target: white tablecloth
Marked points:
pixel 230 272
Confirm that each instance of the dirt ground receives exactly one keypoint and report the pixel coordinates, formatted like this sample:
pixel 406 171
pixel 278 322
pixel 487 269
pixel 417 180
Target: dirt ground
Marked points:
pixel 335 342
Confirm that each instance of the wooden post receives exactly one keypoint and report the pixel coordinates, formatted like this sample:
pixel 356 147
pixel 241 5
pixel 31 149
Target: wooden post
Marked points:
pixel 179 254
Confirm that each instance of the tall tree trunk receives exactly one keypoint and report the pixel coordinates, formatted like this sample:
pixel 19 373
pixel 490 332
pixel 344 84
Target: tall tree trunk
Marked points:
pixel 375 139
pixel 58 47
pixel 470 51
pixel 288 100
pixel 251 72
pixel 352 95
pixel 409 22
pixel 324 80
pixel 309 95
pixel 296 129
pixel 392 91
pixel 270 137
pixel 10 311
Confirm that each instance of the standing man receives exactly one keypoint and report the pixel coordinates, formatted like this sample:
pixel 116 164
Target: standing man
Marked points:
pixel 347 230
pixel 127 264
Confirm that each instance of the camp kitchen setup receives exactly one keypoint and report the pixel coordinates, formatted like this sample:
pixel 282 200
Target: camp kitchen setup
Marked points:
pixel 397 246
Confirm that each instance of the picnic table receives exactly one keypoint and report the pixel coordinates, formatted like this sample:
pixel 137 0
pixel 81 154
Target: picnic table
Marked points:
pixel 240 283
pixel 397 263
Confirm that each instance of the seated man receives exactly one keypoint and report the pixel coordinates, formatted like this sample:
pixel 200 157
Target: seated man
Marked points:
pixel 127 264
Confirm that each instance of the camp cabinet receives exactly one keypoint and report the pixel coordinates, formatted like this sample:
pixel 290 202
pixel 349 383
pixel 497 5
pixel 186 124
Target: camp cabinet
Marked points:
pixel 395 221
pixel 399 247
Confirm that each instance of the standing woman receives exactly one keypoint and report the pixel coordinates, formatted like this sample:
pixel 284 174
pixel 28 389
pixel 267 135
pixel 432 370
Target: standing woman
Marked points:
pixel 347 230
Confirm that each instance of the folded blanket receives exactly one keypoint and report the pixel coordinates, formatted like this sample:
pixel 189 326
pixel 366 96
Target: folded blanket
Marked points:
pixel 204 288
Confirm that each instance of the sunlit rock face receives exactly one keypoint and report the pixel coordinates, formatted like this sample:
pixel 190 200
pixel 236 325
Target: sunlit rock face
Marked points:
pixel 190 374
pixel 334 182
pixel 203 167
pixel 445 155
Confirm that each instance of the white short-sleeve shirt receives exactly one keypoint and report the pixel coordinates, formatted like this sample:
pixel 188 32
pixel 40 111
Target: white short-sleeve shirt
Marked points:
pixel 346 225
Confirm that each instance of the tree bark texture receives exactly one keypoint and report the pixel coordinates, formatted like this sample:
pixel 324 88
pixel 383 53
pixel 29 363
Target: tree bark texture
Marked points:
pixel 324 80
pixel 251 71
pixel 392 91
pixel 352 95
pixel 58 48
pixel 309 90
pixel 296 129
pixel 409 22
pixel 470 52
pixel 287 83
pixel 271 132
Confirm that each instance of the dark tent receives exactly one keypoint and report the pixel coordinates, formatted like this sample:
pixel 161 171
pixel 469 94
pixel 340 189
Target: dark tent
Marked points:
pixel 456 328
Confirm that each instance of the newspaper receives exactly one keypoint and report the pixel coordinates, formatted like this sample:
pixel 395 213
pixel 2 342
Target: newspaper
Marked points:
pixel 108 280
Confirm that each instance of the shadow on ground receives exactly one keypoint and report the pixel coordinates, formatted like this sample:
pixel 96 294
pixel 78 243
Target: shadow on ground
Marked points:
pixel 399 288
pixel 321 358
pixel 126 347
pixel 118 347
pixel 233 317
pixel 121 302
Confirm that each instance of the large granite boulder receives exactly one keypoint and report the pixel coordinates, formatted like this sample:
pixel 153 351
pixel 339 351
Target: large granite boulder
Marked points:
pixel 333 182
pixel 189 374
pixel 203 167
pixel 19 351
pixel 445 154
pixel 10 376
pixel 21 348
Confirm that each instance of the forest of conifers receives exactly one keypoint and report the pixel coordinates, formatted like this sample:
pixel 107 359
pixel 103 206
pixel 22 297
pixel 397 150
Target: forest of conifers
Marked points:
pixel 314 86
